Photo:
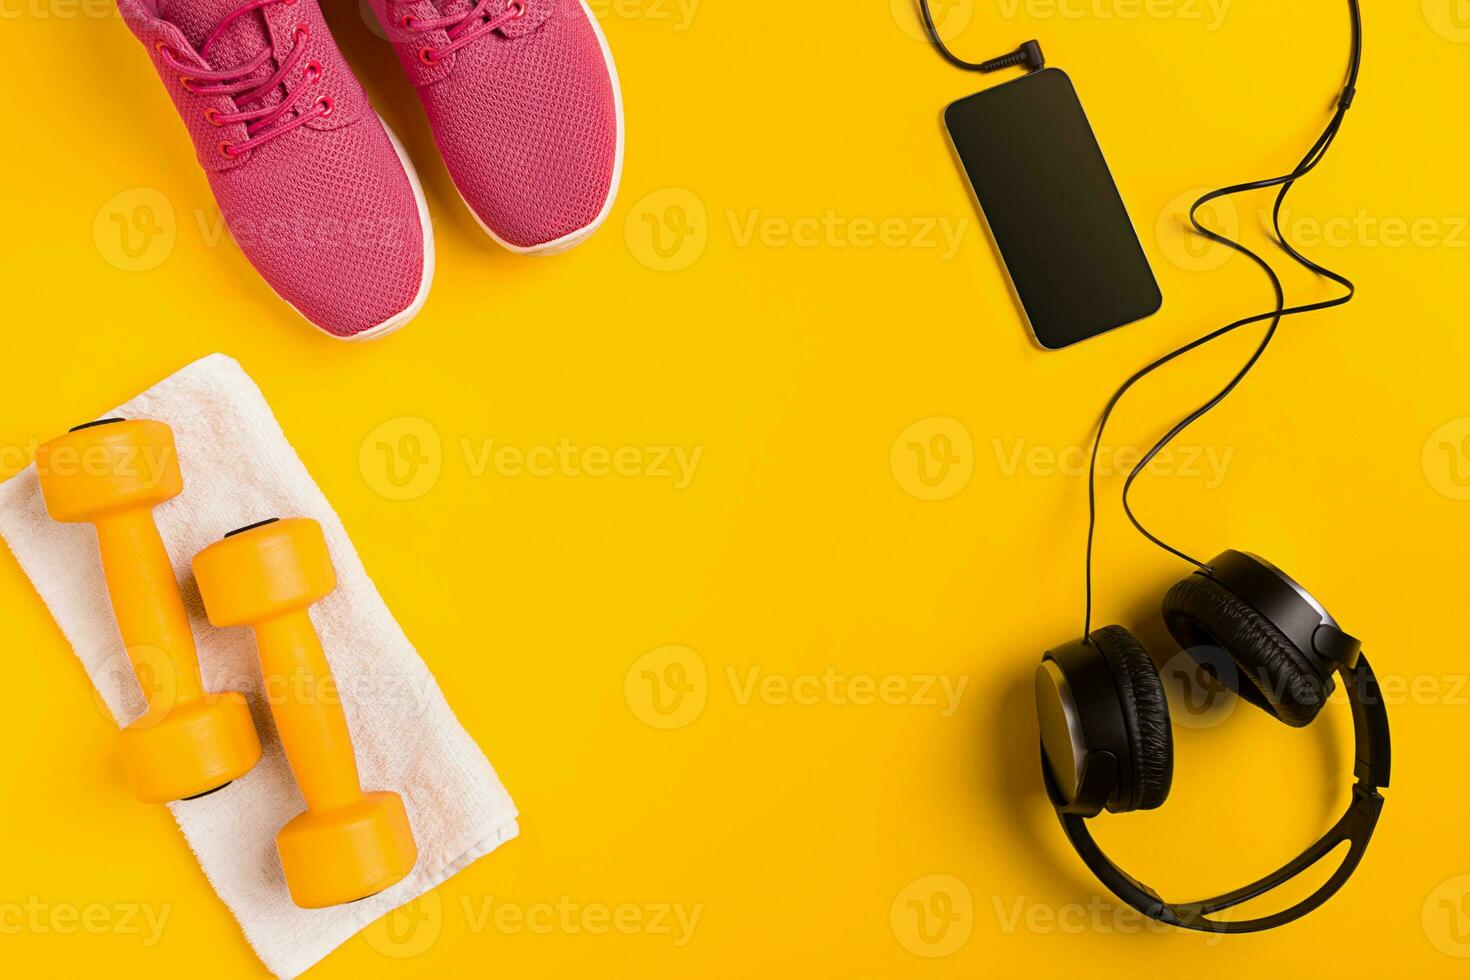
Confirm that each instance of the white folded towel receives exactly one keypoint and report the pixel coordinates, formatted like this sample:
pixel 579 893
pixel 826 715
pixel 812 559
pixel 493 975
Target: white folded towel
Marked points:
pixel 238 469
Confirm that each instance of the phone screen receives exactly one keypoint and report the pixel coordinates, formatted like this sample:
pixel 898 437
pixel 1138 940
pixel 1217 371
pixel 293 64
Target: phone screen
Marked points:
pixel 1053 209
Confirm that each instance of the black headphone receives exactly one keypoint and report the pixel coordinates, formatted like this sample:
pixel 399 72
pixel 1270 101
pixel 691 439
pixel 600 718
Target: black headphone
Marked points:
pixel 1106 742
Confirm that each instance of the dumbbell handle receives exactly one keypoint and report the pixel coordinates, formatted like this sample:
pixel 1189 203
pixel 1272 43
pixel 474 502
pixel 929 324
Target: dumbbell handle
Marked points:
pixel 308 712
pixel 146 601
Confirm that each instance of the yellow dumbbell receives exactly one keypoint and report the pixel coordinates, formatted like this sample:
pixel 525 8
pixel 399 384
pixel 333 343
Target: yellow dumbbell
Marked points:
pixel 112 474
pixel 348 844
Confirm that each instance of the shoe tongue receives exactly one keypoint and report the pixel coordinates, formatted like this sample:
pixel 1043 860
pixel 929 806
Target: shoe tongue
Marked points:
pixel 242 41
pixel 535 11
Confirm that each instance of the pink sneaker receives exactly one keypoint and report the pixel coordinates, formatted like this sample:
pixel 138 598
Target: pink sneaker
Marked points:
pixel 523 99
pixel 318 194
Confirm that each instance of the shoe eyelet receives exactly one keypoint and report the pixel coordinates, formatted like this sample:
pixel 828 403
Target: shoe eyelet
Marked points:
pixel 187 83
pixel 324 106
pixel 162 47
pixel 518 6
pixel 314 70
pixel 303 32
pixel 211 116
pixel 428 57
pixel 228 149
pixel 407 22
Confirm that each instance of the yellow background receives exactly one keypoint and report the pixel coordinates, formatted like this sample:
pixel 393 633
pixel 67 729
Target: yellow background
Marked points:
pixel 799 832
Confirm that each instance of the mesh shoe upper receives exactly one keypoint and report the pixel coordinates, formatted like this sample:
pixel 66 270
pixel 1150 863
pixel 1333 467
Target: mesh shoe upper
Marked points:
pixel 325 210
pixel 525 116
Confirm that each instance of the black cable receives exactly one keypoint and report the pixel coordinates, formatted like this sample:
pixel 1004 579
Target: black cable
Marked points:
pixel 1030 56
pixel 1027 55
pixel 1308 163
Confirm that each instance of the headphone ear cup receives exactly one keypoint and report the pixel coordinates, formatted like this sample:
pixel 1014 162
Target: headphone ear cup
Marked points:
pixel 1274 675
pixel 1146 715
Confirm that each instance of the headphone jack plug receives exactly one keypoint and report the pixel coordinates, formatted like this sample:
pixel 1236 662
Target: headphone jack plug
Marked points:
pixel 1027 55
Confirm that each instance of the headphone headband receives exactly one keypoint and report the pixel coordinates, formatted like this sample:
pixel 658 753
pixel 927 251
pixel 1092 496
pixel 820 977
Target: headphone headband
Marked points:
pixel 1370 723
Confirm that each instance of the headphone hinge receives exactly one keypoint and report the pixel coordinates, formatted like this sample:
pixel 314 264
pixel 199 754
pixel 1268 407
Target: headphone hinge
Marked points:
pixel 1339 649
pixel 1366 796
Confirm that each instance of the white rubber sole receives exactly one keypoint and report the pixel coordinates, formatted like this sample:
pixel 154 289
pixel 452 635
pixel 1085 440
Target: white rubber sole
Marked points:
pixel 580 235
pixel 426 277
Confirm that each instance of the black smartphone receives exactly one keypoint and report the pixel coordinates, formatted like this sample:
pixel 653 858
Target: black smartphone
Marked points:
pixel 1055 213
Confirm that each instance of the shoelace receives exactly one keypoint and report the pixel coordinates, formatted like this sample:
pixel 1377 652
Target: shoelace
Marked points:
pixel 263 123
pixel 463 28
